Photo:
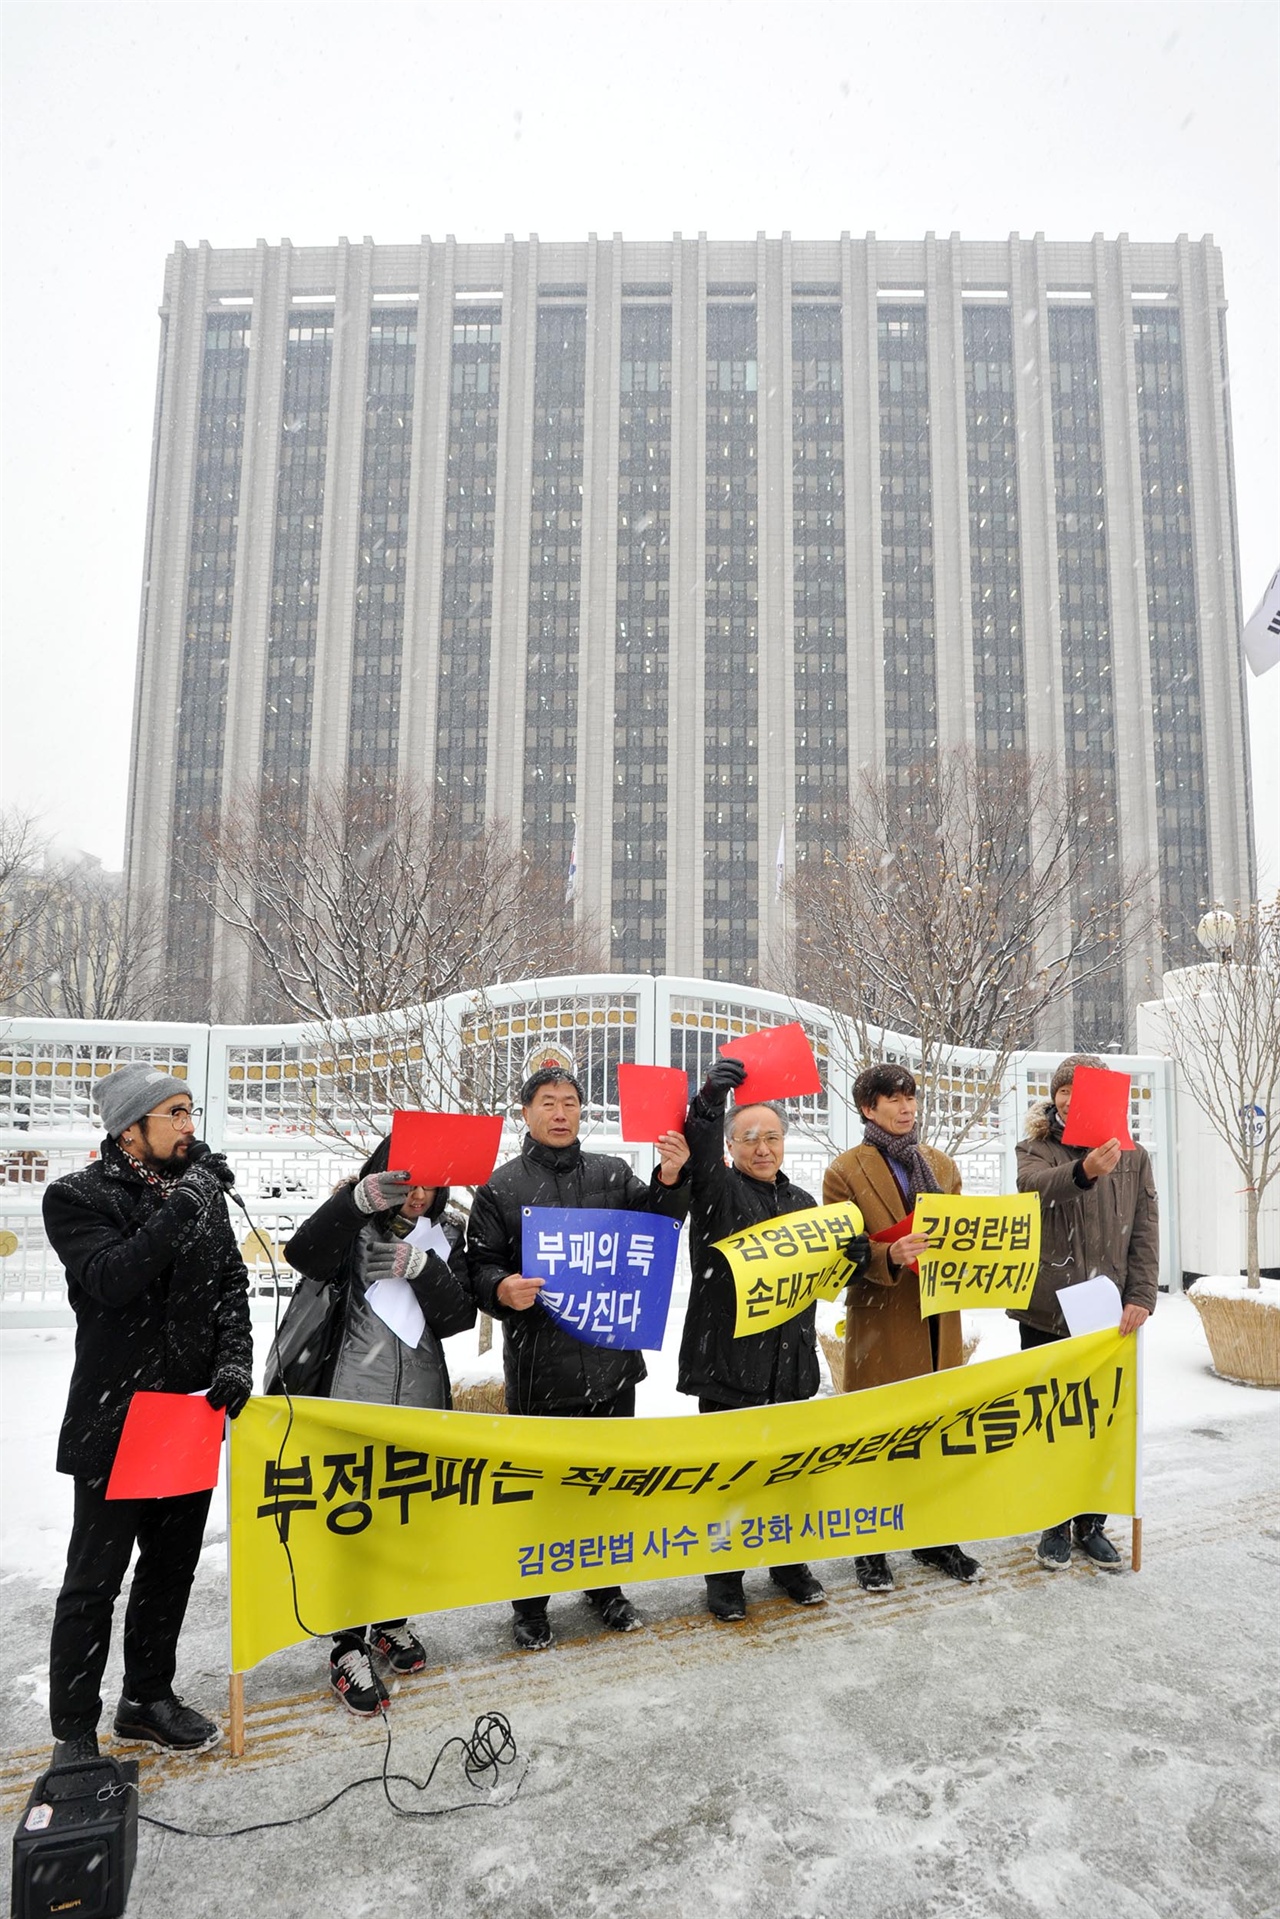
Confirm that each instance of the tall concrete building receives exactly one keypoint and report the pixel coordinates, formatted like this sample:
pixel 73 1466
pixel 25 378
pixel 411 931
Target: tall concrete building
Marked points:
pixel 668 540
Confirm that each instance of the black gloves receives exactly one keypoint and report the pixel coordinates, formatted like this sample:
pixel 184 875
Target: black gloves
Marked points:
pixel 379 1192
pixel 393 1259
pixel 201 1185
pixel 725 1076
pixel 230 1391
pixel 857 1251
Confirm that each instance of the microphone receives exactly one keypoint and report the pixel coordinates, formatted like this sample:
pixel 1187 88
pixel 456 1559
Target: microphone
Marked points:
pixel 200 1149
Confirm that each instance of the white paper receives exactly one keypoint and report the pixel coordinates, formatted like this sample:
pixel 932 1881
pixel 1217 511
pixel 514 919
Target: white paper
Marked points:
pixel 431 1237
pixel 396 1304
pixel 1091 1307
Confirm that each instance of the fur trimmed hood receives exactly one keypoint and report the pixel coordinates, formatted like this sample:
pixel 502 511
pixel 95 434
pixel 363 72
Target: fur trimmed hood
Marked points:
pixel 1037 1120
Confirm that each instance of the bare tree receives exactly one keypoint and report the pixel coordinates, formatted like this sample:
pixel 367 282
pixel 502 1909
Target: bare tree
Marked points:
pixel 362 907
pixel 1223 1026
pixel 97 951
pixel 363 898
pixel 960 907
pixel 22 852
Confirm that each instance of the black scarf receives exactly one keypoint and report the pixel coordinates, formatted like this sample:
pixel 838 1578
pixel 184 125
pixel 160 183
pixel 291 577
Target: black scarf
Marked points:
pixel 904 1149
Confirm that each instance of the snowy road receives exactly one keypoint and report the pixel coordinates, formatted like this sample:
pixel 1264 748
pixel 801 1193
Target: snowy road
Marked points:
pixel 1061 1744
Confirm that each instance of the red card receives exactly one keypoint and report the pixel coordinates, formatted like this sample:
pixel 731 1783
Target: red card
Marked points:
pixel 169 1446
pixel 652 1100
pixel 445 1149
pixel 899 1230
pixel 1099 1108
pixel 779 1062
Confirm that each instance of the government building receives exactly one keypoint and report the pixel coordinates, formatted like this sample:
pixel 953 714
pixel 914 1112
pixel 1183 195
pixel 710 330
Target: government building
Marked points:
pixel 647 548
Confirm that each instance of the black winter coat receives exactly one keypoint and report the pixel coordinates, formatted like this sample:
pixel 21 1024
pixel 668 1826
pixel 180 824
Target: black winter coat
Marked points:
pixel 161 1301
pixel 761 1369
pixel 547 1370
pixel 366 1360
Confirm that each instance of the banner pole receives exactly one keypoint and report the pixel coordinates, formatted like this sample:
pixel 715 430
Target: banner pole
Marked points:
pixel 1135 1538
pixel 236 1715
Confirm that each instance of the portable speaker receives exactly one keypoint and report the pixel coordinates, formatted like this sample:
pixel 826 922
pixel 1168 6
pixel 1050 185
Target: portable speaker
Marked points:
pixel 76 1842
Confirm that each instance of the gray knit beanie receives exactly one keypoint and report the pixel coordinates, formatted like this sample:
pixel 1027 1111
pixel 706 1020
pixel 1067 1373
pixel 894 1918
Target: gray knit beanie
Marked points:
pixel 131 1091
pixel 1065 1071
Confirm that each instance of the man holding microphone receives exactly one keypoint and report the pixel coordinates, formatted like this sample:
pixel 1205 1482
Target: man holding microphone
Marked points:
pixel 160 1294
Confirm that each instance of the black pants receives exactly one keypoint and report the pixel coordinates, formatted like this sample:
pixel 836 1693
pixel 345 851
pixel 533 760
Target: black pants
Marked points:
pixel 168 1534
pixel 1032 1336
pixel 727 1584
pixel 623 1407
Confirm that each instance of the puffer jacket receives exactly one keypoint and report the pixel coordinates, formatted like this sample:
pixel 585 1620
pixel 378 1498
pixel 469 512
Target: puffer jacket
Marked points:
pixel 546 1369
pixel 161 1301
pixel 760 1369
pixel 1108 1225
pixel 366 1360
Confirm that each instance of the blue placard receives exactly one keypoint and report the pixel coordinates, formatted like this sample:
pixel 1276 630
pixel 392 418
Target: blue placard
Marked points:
pixel 608 1273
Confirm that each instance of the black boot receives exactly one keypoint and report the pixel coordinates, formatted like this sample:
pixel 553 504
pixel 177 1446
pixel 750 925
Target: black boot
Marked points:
pixel 873 1573
pixel 1054 1550
pixel 725 1597
pixel 1094 1544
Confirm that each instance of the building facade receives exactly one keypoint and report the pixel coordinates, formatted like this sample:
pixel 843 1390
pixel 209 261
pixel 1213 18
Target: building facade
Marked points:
pixel 658 544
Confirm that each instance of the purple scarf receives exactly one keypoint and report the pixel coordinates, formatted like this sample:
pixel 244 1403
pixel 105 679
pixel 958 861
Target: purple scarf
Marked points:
pixel 902 1149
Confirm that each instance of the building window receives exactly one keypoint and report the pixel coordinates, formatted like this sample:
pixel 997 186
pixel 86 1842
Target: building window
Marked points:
pixel 906 541
pixel 1173 631
pixel 466 592
pixel 995 563
pixel 641 648
pixel 731 825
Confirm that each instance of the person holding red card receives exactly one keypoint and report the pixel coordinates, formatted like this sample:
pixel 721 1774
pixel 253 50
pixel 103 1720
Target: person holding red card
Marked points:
pixel 767 1368
pixel 886 1338
pixel 546 1370
pixel 394 1256
pixel 160 1295
pixel 1098 1215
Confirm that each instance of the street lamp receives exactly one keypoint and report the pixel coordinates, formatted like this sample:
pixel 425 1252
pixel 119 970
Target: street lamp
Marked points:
pixel 1217 933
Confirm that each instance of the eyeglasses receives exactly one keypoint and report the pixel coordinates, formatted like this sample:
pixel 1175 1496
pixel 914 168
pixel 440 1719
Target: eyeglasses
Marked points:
pixel 178 1115
pixel 757 1139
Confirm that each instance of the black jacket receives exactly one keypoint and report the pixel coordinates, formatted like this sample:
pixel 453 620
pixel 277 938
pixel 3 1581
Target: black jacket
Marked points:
pixel 366 1360
pixel 160 1301
pixel 761 1369
pixel 548 1370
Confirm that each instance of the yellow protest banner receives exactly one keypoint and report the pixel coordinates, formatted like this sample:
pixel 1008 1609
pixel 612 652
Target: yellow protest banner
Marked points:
pixel 986 1252
pixel 781 1267
pixel 387 1511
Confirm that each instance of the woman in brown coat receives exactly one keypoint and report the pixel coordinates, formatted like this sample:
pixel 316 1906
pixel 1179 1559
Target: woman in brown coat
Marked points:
pixel 885 1337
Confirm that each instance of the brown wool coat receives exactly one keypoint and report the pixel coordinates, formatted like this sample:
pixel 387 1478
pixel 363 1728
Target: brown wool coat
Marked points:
pixel 1111 1226
pixel 885 1338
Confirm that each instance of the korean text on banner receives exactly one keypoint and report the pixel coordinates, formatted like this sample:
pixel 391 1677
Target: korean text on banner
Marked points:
pixel 985 1252
pixel 781 1267
pixel 608 1273
pixel 389 1510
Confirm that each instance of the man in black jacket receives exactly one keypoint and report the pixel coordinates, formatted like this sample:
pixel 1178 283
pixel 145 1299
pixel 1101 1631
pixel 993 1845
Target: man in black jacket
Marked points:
pixel 761 1369
pixel 547 1370
pixel 160 1295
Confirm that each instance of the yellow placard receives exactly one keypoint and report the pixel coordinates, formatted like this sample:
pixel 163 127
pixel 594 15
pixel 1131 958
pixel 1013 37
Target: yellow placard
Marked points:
pixel 782 1266
pixel 389 1511
pixel 986 1252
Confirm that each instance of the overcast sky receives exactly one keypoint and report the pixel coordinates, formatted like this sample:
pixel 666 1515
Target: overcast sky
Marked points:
pixel 129 127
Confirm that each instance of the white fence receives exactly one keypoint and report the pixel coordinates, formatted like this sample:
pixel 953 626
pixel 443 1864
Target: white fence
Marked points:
pixel 294 1106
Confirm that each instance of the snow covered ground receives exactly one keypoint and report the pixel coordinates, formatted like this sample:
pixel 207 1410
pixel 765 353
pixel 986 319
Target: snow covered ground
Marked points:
pixel 1039 1743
